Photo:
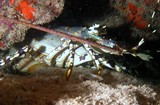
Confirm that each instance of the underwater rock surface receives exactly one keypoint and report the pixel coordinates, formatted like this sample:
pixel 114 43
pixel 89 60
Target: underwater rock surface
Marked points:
pixel 38 12
pixel 49 86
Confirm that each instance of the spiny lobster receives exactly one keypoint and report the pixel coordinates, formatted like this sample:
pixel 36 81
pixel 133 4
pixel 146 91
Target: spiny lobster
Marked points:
pixel 55 50
pixel 65 50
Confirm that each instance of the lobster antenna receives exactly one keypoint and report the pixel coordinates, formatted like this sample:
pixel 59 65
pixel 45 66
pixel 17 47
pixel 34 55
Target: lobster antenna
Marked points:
pixel 74 38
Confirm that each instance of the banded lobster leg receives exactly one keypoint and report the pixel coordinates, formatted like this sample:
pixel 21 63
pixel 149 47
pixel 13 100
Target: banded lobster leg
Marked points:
pixel 17 54
pixel 70 63
pixel 93 55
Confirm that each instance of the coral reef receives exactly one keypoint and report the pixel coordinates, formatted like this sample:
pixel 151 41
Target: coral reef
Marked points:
pixel 48 86
pixel 38 12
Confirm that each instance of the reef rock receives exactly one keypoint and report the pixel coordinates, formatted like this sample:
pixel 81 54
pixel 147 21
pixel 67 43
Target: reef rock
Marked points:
pixel 35 12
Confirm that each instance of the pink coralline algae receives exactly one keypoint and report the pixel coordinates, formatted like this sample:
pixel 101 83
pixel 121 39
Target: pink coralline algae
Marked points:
pixel 137 12
pixel 31 11
pixel 135 15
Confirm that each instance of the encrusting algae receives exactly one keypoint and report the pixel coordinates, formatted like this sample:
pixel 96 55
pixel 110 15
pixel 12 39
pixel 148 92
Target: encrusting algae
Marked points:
pixel 38 12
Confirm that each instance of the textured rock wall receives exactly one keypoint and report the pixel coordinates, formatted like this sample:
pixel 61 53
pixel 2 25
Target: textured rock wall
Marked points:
pixel 39 12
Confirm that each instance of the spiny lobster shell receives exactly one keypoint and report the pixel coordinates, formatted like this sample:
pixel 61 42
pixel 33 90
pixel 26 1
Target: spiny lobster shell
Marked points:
pixel 54 50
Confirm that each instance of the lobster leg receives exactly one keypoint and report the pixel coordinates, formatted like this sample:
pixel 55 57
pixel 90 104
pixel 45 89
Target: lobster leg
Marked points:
pixel 93 55
pixel 52 56
pixel 19 53
pixel 70 63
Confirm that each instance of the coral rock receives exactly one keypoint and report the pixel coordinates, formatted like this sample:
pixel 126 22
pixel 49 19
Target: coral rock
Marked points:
pixel 31 11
